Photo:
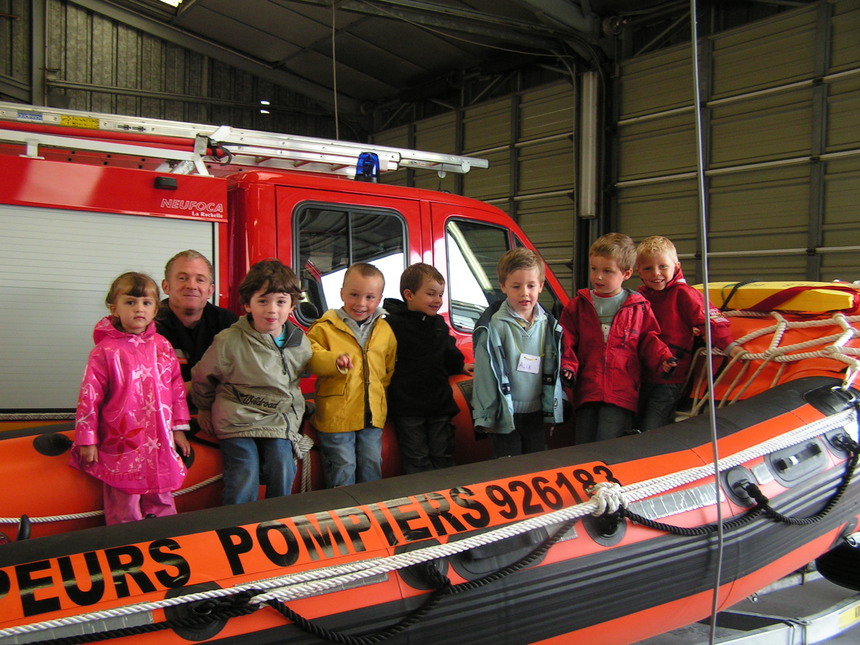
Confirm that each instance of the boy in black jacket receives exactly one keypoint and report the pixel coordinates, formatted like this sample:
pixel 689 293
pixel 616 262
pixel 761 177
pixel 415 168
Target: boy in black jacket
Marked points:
pixel 420 402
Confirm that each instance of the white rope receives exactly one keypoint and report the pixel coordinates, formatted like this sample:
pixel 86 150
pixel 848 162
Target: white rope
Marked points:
pixel 52 518
pixel 305 584
pixel 198 485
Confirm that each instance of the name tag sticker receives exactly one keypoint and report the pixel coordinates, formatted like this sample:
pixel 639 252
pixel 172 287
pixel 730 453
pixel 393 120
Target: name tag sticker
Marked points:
pixel 529 363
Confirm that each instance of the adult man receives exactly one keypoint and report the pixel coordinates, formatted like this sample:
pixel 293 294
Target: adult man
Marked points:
pixel 186 317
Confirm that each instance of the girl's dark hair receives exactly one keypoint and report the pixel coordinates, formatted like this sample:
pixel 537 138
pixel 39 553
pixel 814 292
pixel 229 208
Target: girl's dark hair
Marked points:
pixel 271 275
pixel 137 285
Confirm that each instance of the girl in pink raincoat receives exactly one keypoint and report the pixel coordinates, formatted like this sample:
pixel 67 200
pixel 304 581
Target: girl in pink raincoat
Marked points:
pixel 132 415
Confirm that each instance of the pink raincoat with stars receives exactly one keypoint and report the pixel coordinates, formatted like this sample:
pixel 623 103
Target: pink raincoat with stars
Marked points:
pixel 132 398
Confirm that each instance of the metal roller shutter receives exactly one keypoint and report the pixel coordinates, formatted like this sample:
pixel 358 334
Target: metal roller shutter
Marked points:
pixel 57 266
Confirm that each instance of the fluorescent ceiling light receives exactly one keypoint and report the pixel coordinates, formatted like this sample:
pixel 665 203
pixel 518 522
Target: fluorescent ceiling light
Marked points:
pixel 172 3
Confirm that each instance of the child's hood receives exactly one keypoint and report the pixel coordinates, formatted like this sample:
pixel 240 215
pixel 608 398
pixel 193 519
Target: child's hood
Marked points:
pixel 394 305
pixel 104 329
pixel 501 308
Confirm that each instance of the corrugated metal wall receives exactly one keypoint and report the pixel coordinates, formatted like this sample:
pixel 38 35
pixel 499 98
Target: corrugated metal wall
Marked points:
pixel 782 132
pixel 528 140
pixel 15 59
pixel 96 64
pixel 781 147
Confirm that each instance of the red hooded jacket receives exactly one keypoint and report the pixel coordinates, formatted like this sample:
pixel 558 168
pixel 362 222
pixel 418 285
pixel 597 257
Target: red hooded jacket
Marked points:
pixel 679 308
pixel 610 371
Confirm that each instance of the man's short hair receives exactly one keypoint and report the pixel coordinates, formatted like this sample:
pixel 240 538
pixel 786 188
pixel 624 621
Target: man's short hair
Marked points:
pixel 189 254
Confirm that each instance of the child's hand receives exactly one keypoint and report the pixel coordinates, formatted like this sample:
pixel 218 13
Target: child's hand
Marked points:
pixel 89 454
pixel 469 368
pixel 669 365
pixel 344 363
pixel 181 442
pixel 568 377
pixel 736 351
pixel 204 418
pixel 697 331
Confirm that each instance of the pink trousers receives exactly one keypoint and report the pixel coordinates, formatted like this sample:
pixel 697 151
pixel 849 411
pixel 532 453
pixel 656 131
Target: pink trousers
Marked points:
pixel 124 507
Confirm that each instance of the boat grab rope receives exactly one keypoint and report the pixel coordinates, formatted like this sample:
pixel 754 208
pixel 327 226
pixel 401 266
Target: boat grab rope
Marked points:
pixel 87 514
pixel 301 447
pixel 844 441
pixel 442 589
pixel 305 584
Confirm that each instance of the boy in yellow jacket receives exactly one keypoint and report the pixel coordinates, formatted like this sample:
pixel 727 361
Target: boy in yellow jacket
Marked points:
pixel 353 359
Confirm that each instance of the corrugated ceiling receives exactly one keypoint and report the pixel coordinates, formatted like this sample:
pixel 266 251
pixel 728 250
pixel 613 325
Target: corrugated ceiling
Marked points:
pixel 376 52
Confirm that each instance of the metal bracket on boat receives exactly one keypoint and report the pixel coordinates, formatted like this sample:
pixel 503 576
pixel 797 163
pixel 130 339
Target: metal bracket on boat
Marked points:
pixel 204 619
pixel 736 480
pixel 24 525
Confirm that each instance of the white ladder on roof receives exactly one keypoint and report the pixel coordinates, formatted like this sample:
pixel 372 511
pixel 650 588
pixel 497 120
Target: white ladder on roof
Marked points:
pixel 244 147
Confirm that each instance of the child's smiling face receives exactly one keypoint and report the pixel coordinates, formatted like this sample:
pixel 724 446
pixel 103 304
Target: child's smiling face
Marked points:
pixel 269 311
pixel 656 269
pixel 427 298
pixel 361 295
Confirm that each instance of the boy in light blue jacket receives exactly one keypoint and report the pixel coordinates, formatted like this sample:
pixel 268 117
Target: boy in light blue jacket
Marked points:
pixel 517 344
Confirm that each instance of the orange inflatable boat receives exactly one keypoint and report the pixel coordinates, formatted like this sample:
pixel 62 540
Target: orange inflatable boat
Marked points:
pixel 610 542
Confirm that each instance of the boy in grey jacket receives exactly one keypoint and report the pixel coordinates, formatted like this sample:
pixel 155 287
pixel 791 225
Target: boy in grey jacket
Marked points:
pixel 246 386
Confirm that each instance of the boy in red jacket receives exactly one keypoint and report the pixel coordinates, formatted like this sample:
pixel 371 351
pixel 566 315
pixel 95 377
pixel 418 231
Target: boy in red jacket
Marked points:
pixel 610 335
pixel 680 310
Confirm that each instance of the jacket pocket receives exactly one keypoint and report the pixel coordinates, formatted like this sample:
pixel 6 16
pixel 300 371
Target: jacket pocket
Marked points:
pixel 331 386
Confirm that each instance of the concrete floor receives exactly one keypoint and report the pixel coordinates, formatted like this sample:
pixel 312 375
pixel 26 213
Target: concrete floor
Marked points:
pixel 812 612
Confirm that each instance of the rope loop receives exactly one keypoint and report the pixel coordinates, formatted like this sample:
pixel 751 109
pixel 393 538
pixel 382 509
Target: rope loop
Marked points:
pixel 846 443
pixel 609 496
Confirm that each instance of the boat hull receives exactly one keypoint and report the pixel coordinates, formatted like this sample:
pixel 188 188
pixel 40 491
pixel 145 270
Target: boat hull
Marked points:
pixel 602 581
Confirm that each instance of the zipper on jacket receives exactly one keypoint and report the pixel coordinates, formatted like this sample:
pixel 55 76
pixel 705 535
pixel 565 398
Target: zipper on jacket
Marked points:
pixel 368 413
pixel 281 352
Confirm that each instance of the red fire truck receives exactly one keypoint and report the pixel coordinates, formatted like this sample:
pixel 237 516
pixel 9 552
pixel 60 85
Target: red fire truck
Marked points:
pixel 84 197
